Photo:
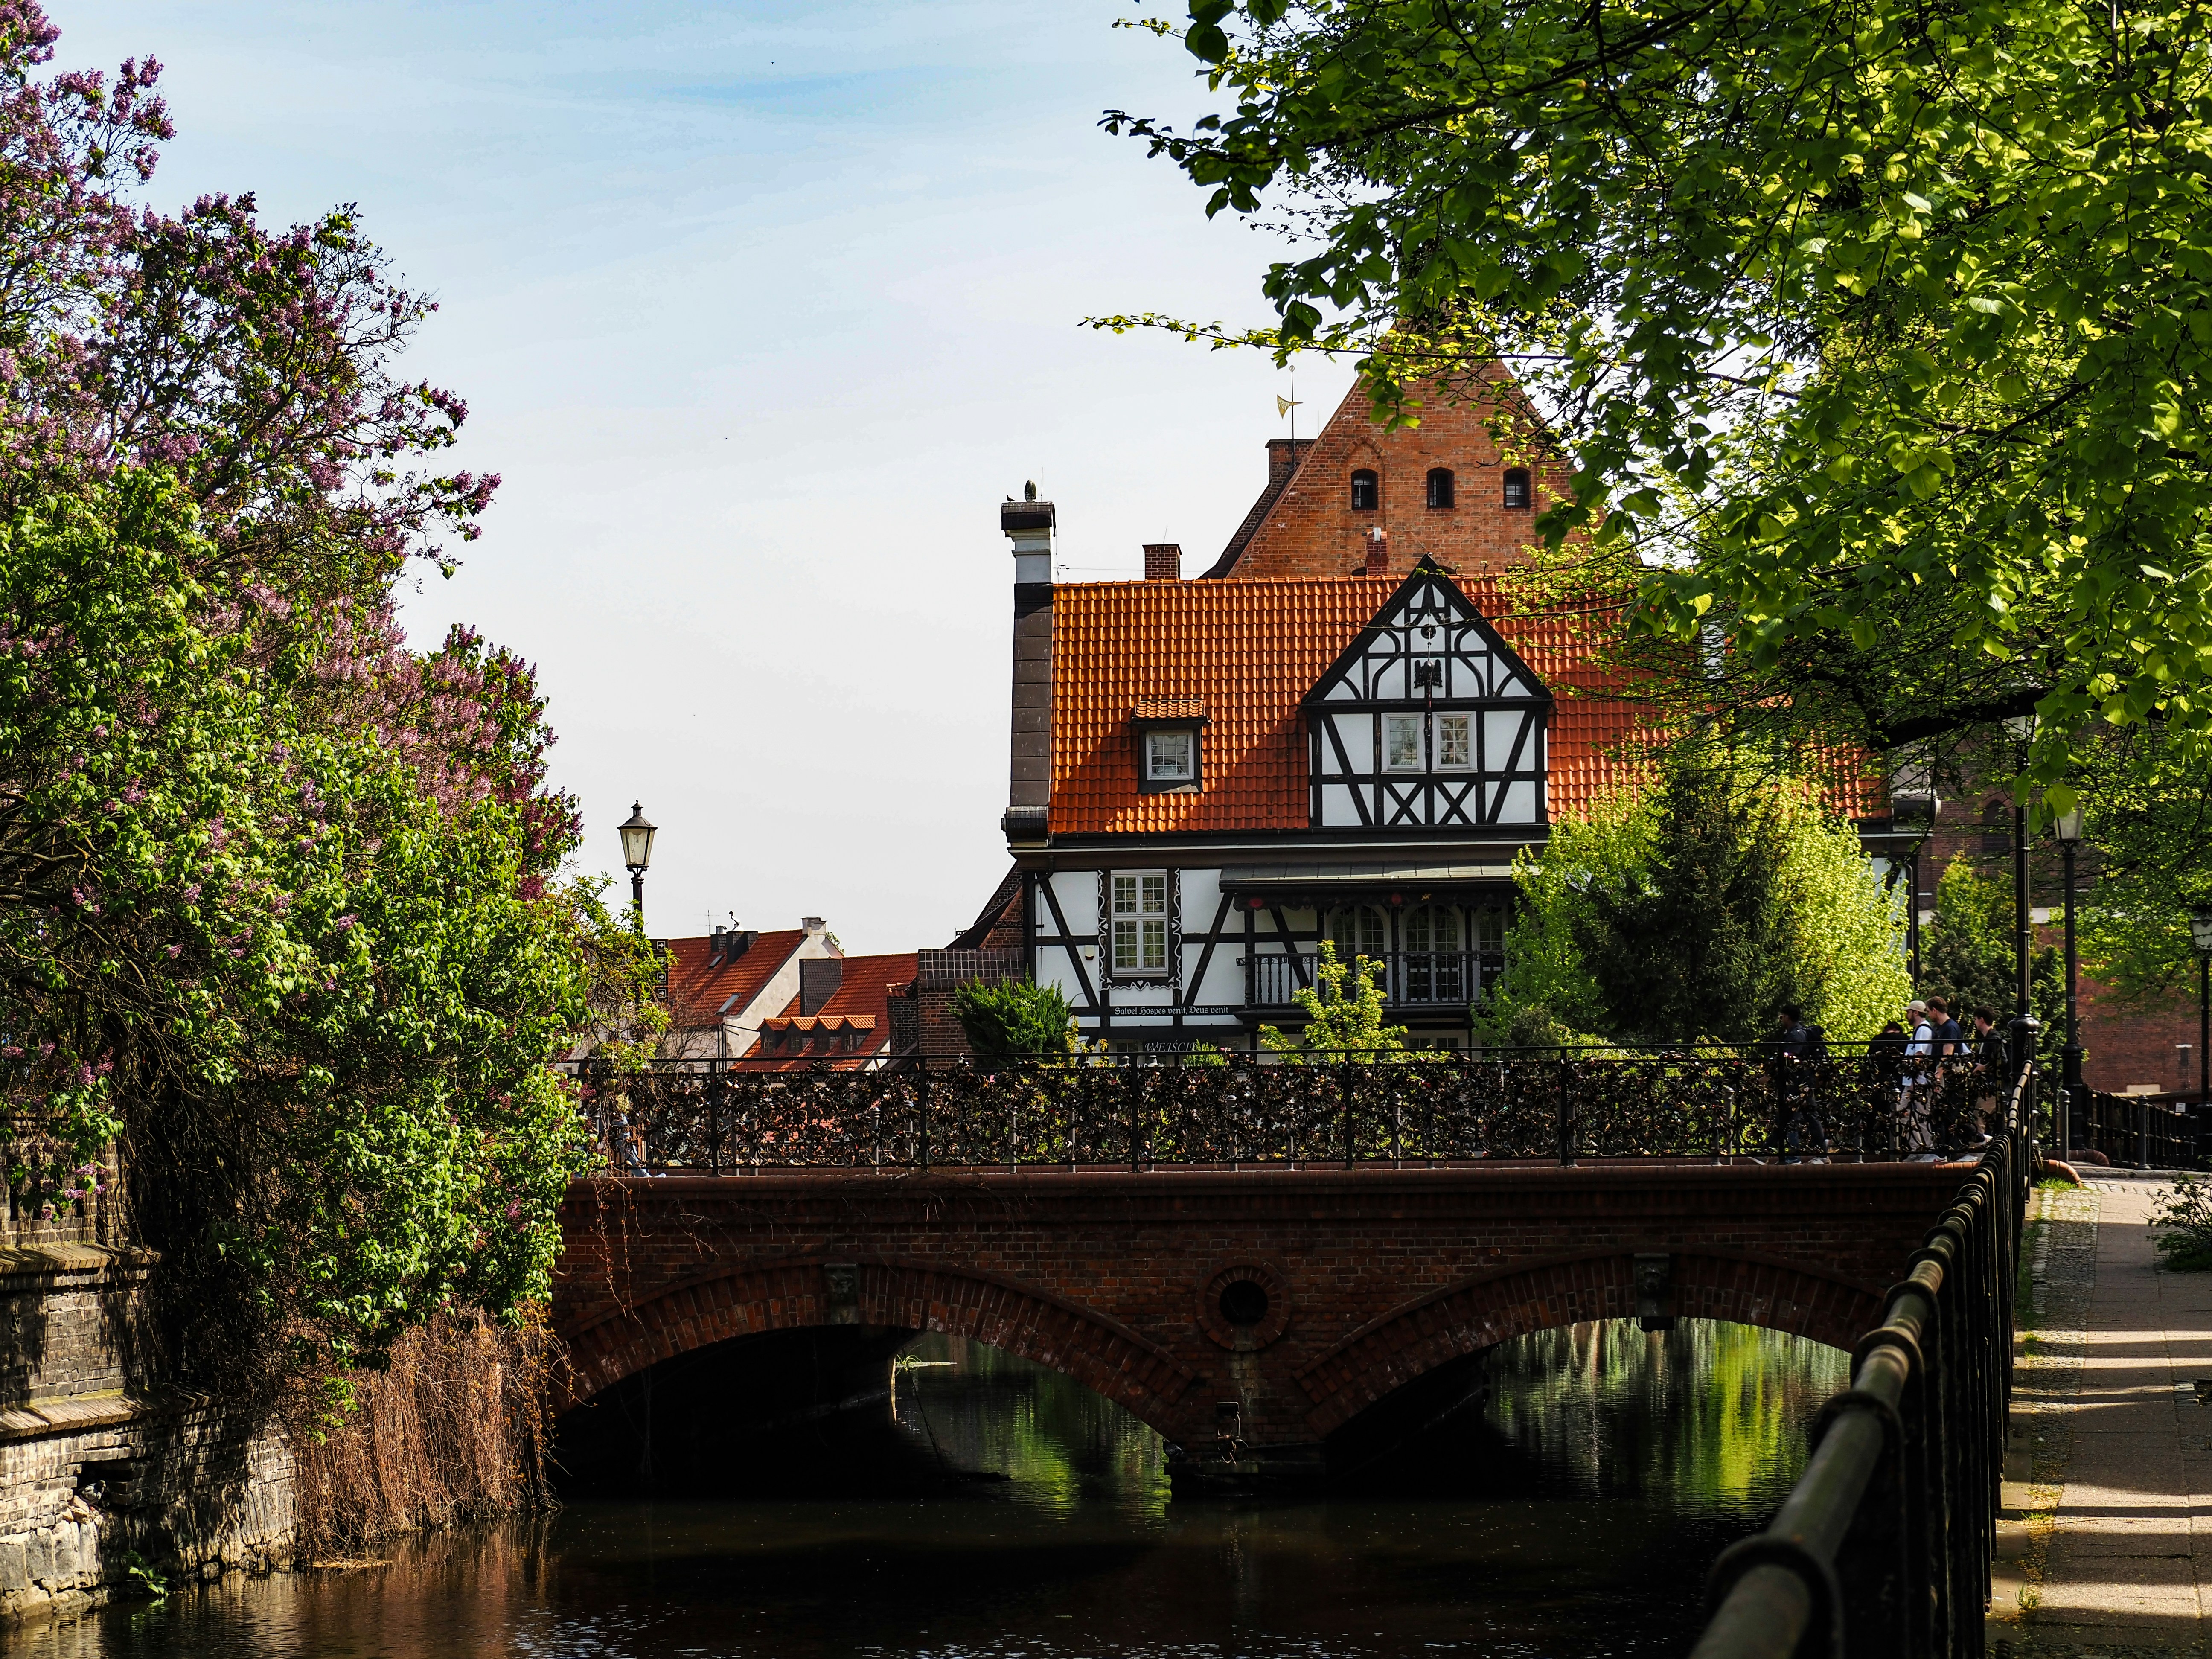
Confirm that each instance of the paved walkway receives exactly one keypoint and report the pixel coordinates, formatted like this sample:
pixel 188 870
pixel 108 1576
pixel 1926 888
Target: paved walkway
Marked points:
pixel 2108 1536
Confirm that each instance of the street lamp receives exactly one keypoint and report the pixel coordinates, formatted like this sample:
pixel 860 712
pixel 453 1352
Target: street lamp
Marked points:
pixel 2067 826
pixel 637 854
pixel 2200 930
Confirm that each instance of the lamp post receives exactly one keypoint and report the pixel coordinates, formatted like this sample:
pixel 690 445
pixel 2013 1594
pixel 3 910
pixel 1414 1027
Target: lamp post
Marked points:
pixel 2200 930
pixel 2067 826
pixel 637 854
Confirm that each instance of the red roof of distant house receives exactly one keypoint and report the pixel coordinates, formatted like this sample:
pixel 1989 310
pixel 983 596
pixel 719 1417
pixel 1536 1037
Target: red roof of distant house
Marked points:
pixel 849 1030
pixel 698 991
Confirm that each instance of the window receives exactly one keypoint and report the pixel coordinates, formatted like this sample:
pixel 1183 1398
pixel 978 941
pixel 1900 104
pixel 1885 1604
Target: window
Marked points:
pixel 1455 743
pixel 1357 933
pixel 1996 829
pixel 1517 488
pixel 1434 970
pixel 1171 756
pixel 1440 486
pixel 1140 924
pixel 1401 743
pixel 1366 491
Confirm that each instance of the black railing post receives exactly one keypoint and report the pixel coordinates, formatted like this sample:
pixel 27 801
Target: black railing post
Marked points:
pixel 1566 1113
pixel 1136 1108
pixel 921 1114
pixel 1348 1082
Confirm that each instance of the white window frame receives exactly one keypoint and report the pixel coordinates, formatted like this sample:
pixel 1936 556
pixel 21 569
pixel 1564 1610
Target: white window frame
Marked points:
pixel 1137 932
pixel 1188 737
pixel 1391 724
pixel 1466 762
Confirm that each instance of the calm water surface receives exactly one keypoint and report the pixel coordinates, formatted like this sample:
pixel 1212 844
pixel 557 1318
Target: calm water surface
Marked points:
pixel 1570 1507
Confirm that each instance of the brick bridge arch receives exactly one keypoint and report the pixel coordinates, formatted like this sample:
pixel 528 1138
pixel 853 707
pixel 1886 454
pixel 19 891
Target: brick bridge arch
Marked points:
pixel 1373 1277
pixel 1098 1352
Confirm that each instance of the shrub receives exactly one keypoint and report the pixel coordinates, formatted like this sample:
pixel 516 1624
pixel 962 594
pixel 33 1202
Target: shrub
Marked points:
pixel 2181 1224
pixel 1013 1017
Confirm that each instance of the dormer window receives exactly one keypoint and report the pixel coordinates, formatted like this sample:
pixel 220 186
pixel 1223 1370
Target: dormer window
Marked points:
pixel 1170 759
pixel 1366 491
pixel 1440 487
pixel 1517 498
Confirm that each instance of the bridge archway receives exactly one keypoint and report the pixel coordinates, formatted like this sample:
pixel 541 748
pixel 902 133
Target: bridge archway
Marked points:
pixel 1410 1340
pixel 1098 1352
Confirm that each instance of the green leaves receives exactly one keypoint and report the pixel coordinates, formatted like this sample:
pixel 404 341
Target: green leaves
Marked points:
pixel 1933 294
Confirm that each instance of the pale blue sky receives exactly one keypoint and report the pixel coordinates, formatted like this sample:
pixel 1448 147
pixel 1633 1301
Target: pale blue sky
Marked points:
pixel 761 310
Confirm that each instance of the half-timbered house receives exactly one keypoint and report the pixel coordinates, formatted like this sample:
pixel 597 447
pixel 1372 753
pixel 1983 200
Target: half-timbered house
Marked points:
pixel 1210 777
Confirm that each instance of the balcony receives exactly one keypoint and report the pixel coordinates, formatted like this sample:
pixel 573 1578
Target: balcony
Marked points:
pixel 1411 979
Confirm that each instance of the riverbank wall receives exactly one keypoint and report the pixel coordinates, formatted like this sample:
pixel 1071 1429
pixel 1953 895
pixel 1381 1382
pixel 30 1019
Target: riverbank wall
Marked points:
pixel 112 1482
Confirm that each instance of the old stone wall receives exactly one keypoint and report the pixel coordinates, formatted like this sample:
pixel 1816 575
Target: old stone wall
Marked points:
pixel 107 1478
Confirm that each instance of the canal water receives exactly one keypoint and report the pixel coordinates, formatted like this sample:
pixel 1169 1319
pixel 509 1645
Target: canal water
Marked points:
pixel 1569 1505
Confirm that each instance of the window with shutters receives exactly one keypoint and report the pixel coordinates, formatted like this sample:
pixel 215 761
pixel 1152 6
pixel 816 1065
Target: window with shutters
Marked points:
pixel 1140 924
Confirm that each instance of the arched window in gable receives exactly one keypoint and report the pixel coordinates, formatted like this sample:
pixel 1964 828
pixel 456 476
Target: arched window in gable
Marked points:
pixel 1440 486
pixel 1518 497
pixel 1366 491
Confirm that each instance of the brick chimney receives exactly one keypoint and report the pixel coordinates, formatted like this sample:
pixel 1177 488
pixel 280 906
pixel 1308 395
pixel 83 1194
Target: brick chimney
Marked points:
pixel 1162 562
pixel 1284 455
pixel 1378 551
pixel 1027 525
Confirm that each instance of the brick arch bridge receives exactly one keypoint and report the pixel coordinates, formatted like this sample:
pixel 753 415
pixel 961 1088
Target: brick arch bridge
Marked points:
pixel 1352 1283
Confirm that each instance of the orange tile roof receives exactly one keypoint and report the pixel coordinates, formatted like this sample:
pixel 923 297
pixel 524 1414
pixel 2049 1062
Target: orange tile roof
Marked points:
pixel 861 1005
pixel 697 992
pixel 1249 651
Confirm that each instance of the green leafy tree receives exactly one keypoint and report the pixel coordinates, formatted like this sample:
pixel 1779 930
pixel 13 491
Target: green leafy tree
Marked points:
pixel 1014 1017
pixel 1344 1014
pixel 1695 908
pixel 2149 851
pixel 1969 955
pixel 1877 337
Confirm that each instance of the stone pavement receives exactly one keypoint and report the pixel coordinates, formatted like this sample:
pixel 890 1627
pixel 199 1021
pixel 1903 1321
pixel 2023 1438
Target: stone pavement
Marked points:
pixel 2106 1547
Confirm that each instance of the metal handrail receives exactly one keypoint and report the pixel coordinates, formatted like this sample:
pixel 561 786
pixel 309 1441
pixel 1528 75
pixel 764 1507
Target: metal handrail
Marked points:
pixel 1236 1110
pixel 1885 1544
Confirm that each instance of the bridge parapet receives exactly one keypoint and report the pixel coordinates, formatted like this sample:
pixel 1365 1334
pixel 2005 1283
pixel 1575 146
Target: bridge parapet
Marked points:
pixel 1232 1111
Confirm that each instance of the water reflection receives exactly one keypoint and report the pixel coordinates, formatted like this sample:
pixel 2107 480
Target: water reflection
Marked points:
pixel 1565 1499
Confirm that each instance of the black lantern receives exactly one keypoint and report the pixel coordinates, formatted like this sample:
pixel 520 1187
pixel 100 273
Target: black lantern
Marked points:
pixel 637 854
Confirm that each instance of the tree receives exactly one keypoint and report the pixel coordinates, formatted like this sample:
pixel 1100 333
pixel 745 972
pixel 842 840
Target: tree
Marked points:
pixel 1344 1013
pixel 1013 1017
pixel 1881 338
pixel 1695 909
pixel 281 899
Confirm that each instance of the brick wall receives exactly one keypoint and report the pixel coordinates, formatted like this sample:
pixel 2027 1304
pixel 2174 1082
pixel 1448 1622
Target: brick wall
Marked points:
pixel 1373 1277
pixel 1312 530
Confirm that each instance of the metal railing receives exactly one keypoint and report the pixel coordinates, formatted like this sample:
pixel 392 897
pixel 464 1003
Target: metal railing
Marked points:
pixel 2138 1130
pixel 1884 1544
pixel 1235 1110
pixel 1412 979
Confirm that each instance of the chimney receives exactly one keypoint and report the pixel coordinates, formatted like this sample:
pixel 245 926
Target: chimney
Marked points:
pixel 811 924
pixel 1284 455
pixel 1028 524
pixel 1162 562
pixel 1378 551
pixel 819 978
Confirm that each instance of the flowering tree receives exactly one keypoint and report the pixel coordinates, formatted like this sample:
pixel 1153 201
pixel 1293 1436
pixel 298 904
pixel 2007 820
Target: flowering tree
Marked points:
pixel 281 902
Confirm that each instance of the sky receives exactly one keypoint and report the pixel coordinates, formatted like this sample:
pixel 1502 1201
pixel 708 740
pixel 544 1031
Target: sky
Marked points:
pixel 759 312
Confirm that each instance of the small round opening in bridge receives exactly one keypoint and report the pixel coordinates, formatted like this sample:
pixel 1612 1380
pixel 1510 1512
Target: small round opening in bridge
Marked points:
pixel 1243 1303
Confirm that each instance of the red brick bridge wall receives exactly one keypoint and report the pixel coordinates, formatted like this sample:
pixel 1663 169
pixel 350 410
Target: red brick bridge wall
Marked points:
pixel 1373 1276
